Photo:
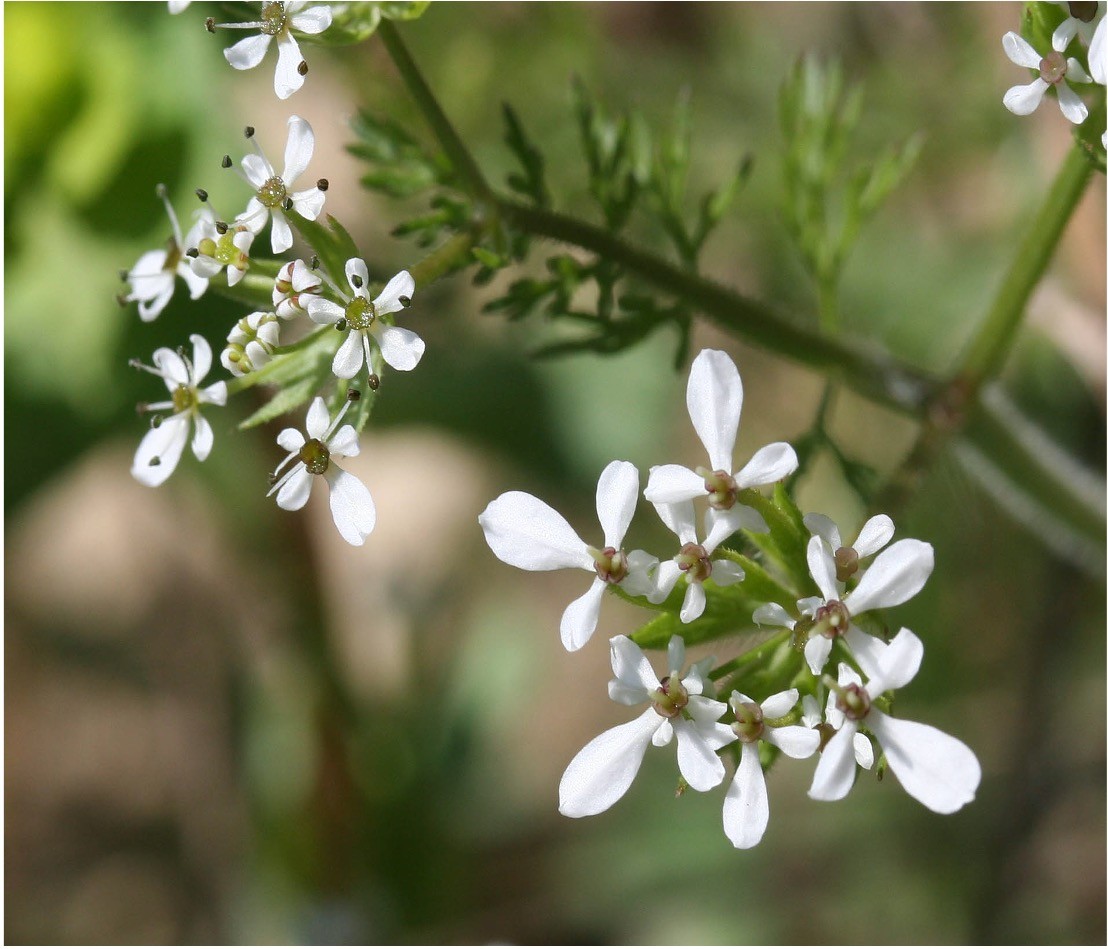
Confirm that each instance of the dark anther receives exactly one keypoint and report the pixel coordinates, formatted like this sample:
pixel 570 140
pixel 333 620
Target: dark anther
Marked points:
pixel 405 301
pixel 248 131
pixel 352 395
pixel 226 162
pixel 323 184
pixel 193 252
pixel 160 191
pixel 209 24
pixel 141 407
pixel 315 263
pixel 374 381
pixel 155 461
pixel 303 67
pixel 221 227
pixel 340 325
pixel 121 300
pixel 288 204
pixel 124 274
pixel 356 281
pixel 202 194
pixel 273 477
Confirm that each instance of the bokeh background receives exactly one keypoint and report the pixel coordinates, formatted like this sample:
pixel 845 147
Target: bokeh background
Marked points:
pixel 222 724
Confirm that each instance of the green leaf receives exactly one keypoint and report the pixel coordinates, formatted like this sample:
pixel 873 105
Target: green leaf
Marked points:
pixel 727 612
pixel 330 242
pixel 285 400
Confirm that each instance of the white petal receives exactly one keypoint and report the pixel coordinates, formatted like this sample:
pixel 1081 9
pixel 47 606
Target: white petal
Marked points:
pixel 312 20
pixel 401 348
pixel 693 606
pixel 1098 54
pixel 344 442
pixel 318 418
pixel 290 439
pixel 280 237
pixel 197 283
pixel 294 493
pixel 308 203
pixel 388 300
pixel 215 394
pixel 816 651
pixel 325 312
pixel 247 53
pixel 794 740
pixel 357 275
pixel 580 617
pixel 201 358
pixel 255 215
pixel 669 484
pixel 773 614
pixel 746 806
pixel 352 506
pixel 1066 31
pixel 769 464
pixel 675 655
pixel 812 715
pixel 602 771
pixel 715 401
pixel 665 578
pixel 821 565
pixel 1071 105
pixel 679 518
pixel 348 359
pixel 172 367
pixel 938 770
pixel 822 526
pixel 726 572
pixel 527 533
pixel 896 575
pixel 834 775
pixel 1020 51
pixel 866 649
pixel 696 757
pixel 1023 100
pixel 166 442
pixel 808 605
pixel 287 78
pixel 720 525
pixel 617 491
pixel 780 703
pixel 630 665
pixel 640 574
pixel 875 534
pixel 1075 72
pixel 257 170
pixel 863 751
pixel 202 437
pixel 897 663
pixel 151 309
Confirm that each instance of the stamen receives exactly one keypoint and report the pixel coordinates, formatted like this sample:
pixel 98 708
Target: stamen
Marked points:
pixel 124 274
pixel 341 325
pixel 303 67
pixel 160 190
pixel 356 281
pixel 374 381
pixel 192 252
pixel 314 265
pixel 353 395
pixel 226 162
pixel 405 301
pixel 323 184
pixel 202 194
pixel 248 131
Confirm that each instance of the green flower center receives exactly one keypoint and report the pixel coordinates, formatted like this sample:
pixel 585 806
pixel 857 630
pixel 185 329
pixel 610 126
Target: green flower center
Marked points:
pixel 273 193
pixel 184 398
pixel 223 250
pixel 315 456
pixel 670 697
pixel 749 722
pixel 360 314
pixel 273 18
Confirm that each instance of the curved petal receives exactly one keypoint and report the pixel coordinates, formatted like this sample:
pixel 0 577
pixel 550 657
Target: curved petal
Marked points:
pixel 290 439
pixel 172 367
pixel 298 149
pixel 255 215
pixel 1098 54
pixel 318 419
pixel 769 465
pixel 1062 36
pixel 875 534
pixel 164 443
pixel 308 203
pixel 679 518
pixel 150 309
pixel 1071 105
pixel 741 516
pixel 640 574
pixel 670 484
pixel 896 575
pixel 201 358
pixel 773 614
pixel 344 442
pixel 204 267
pixel 197 283
pixel 863 751
pixel 897 663
pixel 693 606
pixel 794 740
pixel 313 20
pixel 348 359
pixel 665 579
pixel 746 805
pixel 357 275
pixel 401 348
pixel 822 526
pixel 617 492
pixel 325 311
pixel 257 170
pixel 816 651
pixel 696 757
pixel 938 770
pixel 866 649
pixel 280 236
pixel 295 491
pixel 602 771
pixel 247 53
pixel 821 565
pixel 631 667
pixel 527 533
pixel 202 437
pixel 780 703
pixel 715 401
pixel 287 78
pixel 834 775
pixel 1023 100
pixel 675 656
pixel 726 572
pixel 809 604
pixel 581 616
pixel 1019 51
pixel 352 506
pixel 215 394
pixel 388 300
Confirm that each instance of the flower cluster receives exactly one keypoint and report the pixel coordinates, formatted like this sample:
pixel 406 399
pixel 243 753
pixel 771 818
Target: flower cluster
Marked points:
pixel 218 252
pixel 786 704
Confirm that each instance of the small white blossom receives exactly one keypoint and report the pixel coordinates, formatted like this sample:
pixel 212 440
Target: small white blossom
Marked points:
pixel 154 276
pixel 1054 69
pixel 874 535
pixel 694 560
pixel 278 20
pixel 812 717
pixel 527 533
pixel 351 503
pixel 273 194
pixel 1082 23
pixel 295 288
pixel 251 343
pixel 162 446
pixel 715 399
pixel 746 806
pixel 216 246
pixel 601 772
pixel 401 348
pixel 939 771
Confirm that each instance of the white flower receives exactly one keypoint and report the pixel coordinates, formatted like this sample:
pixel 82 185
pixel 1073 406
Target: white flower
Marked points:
pixel 278 20
pixel 896 575
pixel 1054 69
pixel 1081 24
pixel 527 533
pixel 250 343
pixel 351 503
pixel 1098 56
pixel 602 771
pixel 939 771
pixel 294 289
pixel 746 806
pixel 812 717
pixel 273 196
pixel 216 245
pixel 401 348
pixel 694 559
pixel 155 274
pixel 176 6
pixel 161 447
pixel 874 535
pixel 715 400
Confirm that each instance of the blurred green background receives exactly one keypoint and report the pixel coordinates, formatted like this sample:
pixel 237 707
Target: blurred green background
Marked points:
pixel 224 725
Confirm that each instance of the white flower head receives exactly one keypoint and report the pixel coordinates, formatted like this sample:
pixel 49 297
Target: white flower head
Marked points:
pixel 896 575
pixel 813 716
pixel 601 772
pixel 939 771
pixel 161 447
pixel 694 559
pixel 715 399
pixel 216 246
pixel 154 276
pixel 273 194
pixel 746 806
pixel 295 288
pixel 278 20
pixel 351 503
pixel 874 535
pixel 527 533
pixel 251 343
pixel 1054 70
pixel 369 320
